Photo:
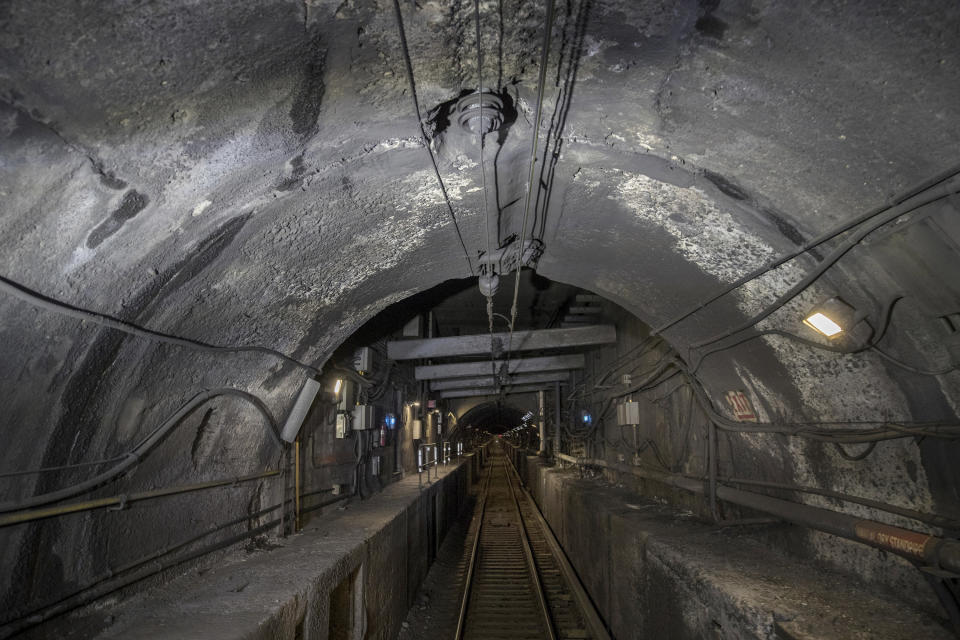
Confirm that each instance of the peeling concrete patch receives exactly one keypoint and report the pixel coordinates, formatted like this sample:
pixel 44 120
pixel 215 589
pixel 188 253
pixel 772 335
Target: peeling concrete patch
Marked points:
pixel 705 235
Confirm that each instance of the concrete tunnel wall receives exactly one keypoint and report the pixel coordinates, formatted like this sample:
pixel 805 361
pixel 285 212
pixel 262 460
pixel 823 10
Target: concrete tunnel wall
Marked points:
pixel 253 174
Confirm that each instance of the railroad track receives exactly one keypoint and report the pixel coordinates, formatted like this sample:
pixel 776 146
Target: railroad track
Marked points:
pixel 519 585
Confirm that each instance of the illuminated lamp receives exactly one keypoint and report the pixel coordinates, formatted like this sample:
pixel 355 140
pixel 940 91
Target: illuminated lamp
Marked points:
pixel 831 318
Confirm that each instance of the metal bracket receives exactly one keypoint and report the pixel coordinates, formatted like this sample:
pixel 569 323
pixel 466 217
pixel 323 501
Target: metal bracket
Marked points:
pixel 504 259
pixel 122 506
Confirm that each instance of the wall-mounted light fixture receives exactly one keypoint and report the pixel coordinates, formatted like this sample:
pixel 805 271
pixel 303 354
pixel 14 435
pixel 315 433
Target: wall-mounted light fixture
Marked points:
pixel 831 318
pixel 337 386
pixel 298 413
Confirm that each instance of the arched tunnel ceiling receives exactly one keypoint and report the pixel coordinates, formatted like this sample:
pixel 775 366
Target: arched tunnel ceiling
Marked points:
pixel 495 416
pixel 253 173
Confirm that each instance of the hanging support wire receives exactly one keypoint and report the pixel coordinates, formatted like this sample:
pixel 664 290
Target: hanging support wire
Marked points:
pixel 541 82
pixel 490 291
pixel 423 131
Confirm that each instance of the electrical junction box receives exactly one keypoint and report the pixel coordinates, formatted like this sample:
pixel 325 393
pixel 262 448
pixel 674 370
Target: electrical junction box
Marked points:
pixel 416 429
pixel 363 360
pixel 340 489
pixel 345 399
pixel 628 413
pixel 343 425
pixel 364 417
pixel 375 465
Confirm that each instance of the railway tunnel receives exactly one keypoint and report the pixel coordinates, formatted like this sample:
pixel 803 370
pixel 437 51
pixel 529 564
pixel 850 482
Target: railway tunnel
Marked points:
pixel 320 317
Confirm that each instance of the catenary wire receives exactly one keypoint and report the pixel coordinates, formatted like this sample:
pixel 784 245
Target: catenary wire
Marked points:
pixel 544 56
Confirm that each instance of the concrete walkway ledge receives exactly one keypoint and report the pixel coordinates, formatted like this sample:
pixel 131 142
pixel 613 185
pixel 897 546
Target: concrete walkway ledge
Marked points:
pixel 350 573
pixel 655 572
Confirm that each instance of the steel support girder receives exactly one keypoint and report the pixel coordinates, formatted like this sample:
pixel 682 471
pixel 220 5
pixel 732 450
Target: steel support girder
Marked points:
pixel 489 391
pixel 488 381
pixel 482 368
pixel 480 344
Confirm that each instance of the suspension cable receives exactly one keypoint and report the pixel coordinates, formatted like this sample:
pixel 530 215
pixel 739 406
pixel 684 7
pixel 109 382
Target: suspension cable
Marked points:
pixel 486 209
pixel 423 132
pixel 544 56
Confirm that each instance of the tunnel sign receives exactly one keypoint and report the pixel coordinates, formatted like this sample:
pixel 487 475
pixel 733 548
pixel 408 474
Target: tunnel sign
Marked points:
pixel 742 409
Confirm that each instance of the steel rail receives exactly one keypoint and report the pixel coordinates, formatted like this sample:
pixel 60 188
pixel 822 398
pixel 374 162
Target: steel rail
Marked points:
pixel 472 564
pixel 531 562
pixel 591 617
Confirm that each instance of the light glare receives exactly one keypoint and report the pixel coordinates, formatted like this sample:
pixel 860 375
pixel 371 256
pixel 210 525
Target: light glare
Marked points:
pixel 337 385
pixel 823 324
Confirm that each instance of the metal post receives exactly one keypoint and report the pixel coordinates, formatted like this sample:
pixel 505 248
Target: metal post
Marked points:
pixel 542 410
pixel 556 418
pixel 712 468
pixel 296 485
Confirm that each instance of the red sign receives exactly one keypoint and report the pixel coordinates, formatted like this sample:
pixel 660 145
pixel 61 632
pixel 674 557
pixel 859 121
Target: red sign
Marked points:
pixel 742 409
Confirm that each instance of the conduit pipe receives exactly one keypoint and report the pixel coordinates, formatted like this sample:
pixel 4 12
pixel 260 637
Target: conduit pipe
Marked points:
pixel 19 517
pixel 142 449
pixel 913 545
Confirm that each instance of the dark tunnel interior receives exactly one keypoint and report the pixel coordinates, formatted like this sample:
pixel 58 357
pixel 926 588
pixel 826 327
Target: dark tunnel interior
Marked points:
pixel 401 319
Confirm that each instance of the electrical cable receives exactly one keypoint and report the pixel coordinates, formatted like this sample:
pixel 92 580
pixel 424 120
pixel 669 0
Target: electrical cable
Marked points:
pixel 931 519
pixel 812 244
pixel 849 431
pixel 122 501
pixel 544 56
pixel 842 249
pixel 144 447
pixel 46 303
pixel 62 467
pixel 423 132
pixel 913 368
pixel 844 434
pixel 870 345
pixel 857 457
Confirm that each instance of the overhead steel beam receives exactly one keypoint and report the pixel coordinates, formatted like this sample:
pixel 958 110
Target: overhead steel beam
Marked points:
pixel 474 369
pixel 585 310
pixel 490 391
pixel 479 344
pixel 487 381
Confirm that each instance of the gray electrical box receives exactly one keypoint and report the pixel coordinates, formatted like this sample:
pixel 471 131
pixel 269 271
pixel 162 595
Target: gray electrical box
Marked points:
pixel 375 465
pixel 364 417
pixel 363 360
pixel 628 413
pixel 345 399
pixel 343 425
